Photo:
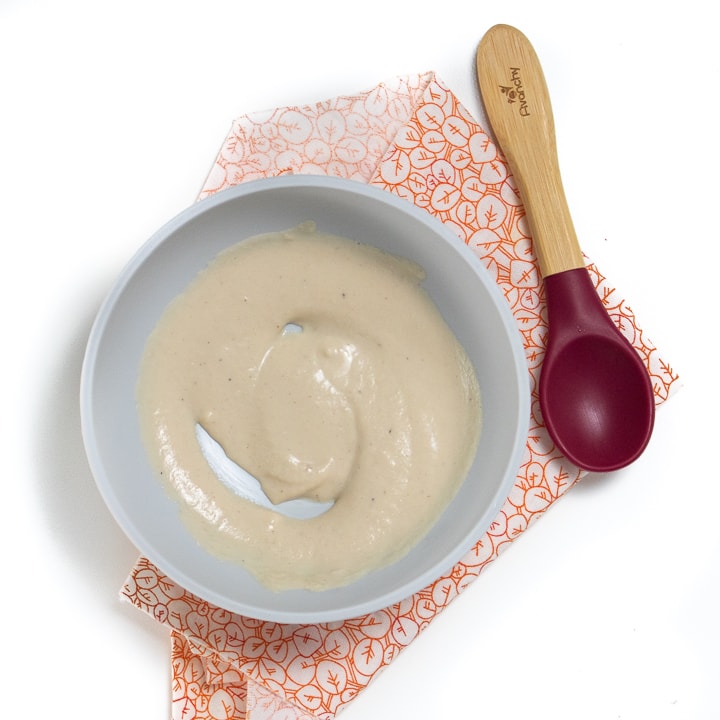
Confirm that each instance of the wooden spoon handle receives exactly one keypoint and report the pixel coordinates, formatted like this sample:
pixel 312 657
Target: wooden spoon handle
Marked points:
pixel 518 106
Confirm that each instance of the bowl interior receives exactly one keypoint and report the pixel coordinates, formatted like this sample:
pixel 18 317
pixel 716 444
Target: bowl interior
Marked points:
pixel 462 289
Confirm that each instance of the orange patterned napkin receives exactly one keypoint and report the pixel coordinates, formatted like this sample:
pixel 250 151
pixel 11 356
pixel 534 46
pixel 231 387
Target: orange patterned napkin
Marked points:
pixel 413 138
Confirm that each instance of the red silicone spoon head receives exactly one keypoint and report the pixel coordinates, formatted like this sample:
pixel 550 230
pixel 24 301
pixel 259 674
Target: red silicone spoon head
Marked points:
pixel 595 392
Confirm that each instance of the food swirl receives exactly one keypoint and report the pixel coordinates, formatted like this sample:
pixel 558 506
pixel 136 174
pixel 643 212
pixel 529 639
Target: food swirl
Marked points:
pixel 372 403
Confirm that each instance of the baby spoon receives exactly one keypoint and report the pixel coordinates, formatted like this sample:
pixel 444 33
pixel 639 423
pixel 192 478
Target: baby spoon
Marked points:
pixel 595 393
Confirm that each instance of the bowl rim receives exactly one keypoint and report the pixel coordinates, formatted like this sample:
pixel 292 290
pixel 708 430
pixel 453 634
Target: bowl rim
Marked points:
pixel 521 376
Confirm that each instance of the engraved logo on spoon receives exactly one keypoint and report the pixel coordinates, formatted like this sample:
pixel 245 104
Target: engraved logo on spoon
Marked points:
pixel 515 92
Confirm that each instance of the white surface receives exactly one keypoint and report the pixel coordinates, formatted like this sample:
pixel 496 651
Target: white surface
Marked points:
pixel 111 116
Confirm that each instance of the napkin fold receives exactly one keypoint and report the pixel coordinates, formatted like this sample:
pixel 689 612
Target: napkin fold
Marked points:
pixel 412 137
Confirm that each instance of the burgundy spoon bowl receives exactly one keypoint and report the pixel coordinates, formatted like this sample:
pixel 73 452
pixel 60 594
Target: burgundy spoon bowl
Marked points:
pixel 595 392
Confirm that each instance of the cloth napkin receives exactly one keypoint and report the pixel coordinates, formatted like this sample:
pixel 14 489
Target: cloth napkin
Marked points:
pixel 412 137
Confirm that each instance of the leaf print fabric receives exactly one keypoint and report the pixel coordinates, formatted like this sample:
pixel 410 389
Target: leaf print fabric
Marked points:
pixel 412 138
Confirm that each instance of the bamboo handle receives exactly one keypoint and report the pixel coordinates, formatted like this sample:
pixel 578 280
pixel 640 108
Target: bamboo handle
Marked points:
pixel 518 106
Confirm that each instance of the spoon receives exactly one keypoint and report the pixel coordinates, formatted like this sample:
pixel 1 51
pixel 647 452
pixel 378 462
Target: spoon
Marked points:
pixel 595 393
pixel 245 485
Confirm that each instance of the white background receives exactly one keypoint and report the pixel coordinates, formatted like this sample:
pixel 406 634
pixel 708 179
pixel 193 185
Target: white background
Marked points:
pixel 110 116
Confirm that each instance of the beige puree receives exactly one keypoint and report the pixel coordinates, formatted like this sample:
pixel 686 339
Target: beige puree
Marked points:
pixel 373 404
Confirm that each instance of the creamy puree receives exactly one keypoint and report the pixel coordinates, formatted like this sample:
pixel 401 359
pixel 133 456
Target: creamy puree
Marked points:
pixel 373 404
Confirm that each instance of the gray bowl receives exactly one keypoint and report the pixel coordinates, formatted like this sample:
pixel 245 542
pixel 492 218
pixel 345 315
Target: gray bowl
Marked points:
pixel 460 286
